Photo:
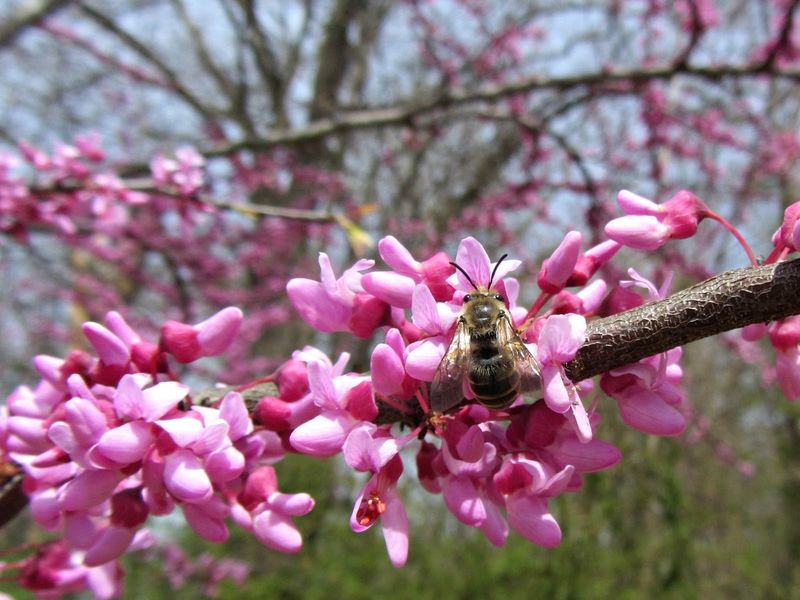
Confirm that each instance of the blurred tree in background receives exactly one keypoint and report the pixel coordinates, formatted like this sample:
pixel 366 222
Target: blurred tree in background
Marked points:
pixel 322 125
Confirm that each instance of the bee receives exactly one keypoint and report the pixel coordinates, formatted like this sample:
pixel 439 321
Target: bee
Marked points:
pixel 487 350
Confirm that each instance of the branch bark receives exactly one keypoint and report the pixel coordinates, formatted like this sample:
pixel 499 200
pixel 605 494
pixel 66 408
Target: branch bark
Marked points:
pixel 725 302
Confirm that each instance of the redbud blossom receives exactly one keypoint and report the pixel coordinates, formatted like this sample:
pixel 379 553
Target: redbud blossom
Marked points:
pixel 785 338
pixel 187 343
pixel 648 225
pixel 558 267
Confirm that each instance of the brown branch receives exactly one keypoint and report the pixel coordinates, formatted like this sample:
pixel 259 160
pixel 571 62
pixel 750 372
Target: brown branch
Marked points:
pixel 403 114
pixel 783 39
pixel 728 301
pixel 145 52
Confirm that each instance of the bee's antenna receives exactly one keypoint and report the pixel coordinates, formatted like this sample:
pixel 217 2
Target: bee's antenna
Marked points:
pixel 465 274
pixel 494 271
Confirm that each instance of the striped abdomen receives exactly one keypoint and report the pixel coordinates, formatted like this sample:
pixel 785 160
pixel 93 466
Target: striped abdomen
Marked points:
pixel 493 376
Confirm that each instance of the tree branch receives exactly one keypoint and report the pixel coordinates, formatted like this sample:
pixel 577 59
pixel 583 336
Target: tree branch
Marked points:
pixel 402 114
pixel 728 301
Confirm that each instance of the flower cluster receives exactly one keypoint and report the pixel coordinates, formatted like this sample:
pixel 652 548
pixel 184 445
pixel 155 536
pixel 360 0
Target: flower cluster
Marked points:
pixel 495 468
pixel 106 440
pixel 110 438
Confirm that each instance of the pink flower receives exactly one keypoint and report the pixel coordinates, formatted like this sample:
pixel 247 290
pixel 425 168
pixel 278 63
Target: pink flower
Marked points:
pixel 590 262
pixel 268 513
pixel 526 484
pixel 472 258
pixel 184 172
pixel 788 235
pixel 647 395
pixel 55 569
pixel 395 287
pixel 374 450
pixel 648 225
pixel 344 401
pixel 558 267
pixel 785 338
pixel 559 340
pixel 338 304
pixel 187 343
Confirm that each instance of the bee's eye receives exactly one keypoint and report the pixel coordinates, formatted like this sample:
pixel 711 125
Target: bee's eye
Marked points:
pixel 467 298
pixel 499 297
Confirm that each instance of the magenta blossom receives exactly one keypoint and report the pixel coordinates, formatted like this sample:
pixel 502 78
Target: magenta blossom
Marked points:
pixel 341 304
pixel 344 401
pixel 559 340
pixel 648 225
pixel 557 269
pixel 396 286
pixel 374 450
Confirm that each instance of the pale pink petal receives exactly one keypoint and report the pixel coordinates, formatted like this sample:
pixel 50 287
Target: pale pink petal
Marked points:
pixel 397 256
pixel 208 526
pixel 634 204
pixel 277 531
pixel 394 523
pixel 161 398
pixel 494 527
pixel 127 443
pixel 49 367
pixel 213 438
pixel 295 505
pixel 185 477
pixel 30 429
pixel 424 313
pixel 558 482
pixel 472 257
pixel 364 452
pixel 557 268
pixel 224 465
pixel 44 509
pixel 85 419
pixel 61 435
pixel 387 370
pixel 321 386
pixel 423 357
pixel 560 338
pixel 218 332
pixel 183 431
pixel 638 231
pixel 105 581
pixel 555 392
pixel 579 418
pixel 529 517
pixel 463 501
pixel 323 435
pixel 128 401
pixel 111 544
pixel 233 410
pixel 646 411
pixel 393 288
pixel 117 324
pixel 595 455
pixel 80 530
pixel 88 489
pixel 110 349
pixel 317 307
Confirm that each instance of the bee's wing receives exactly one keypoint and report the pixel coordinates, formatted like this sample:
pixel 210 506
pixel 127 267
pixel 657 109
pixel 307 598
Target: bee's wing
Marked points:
pixel 446 388
pixel 526 363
